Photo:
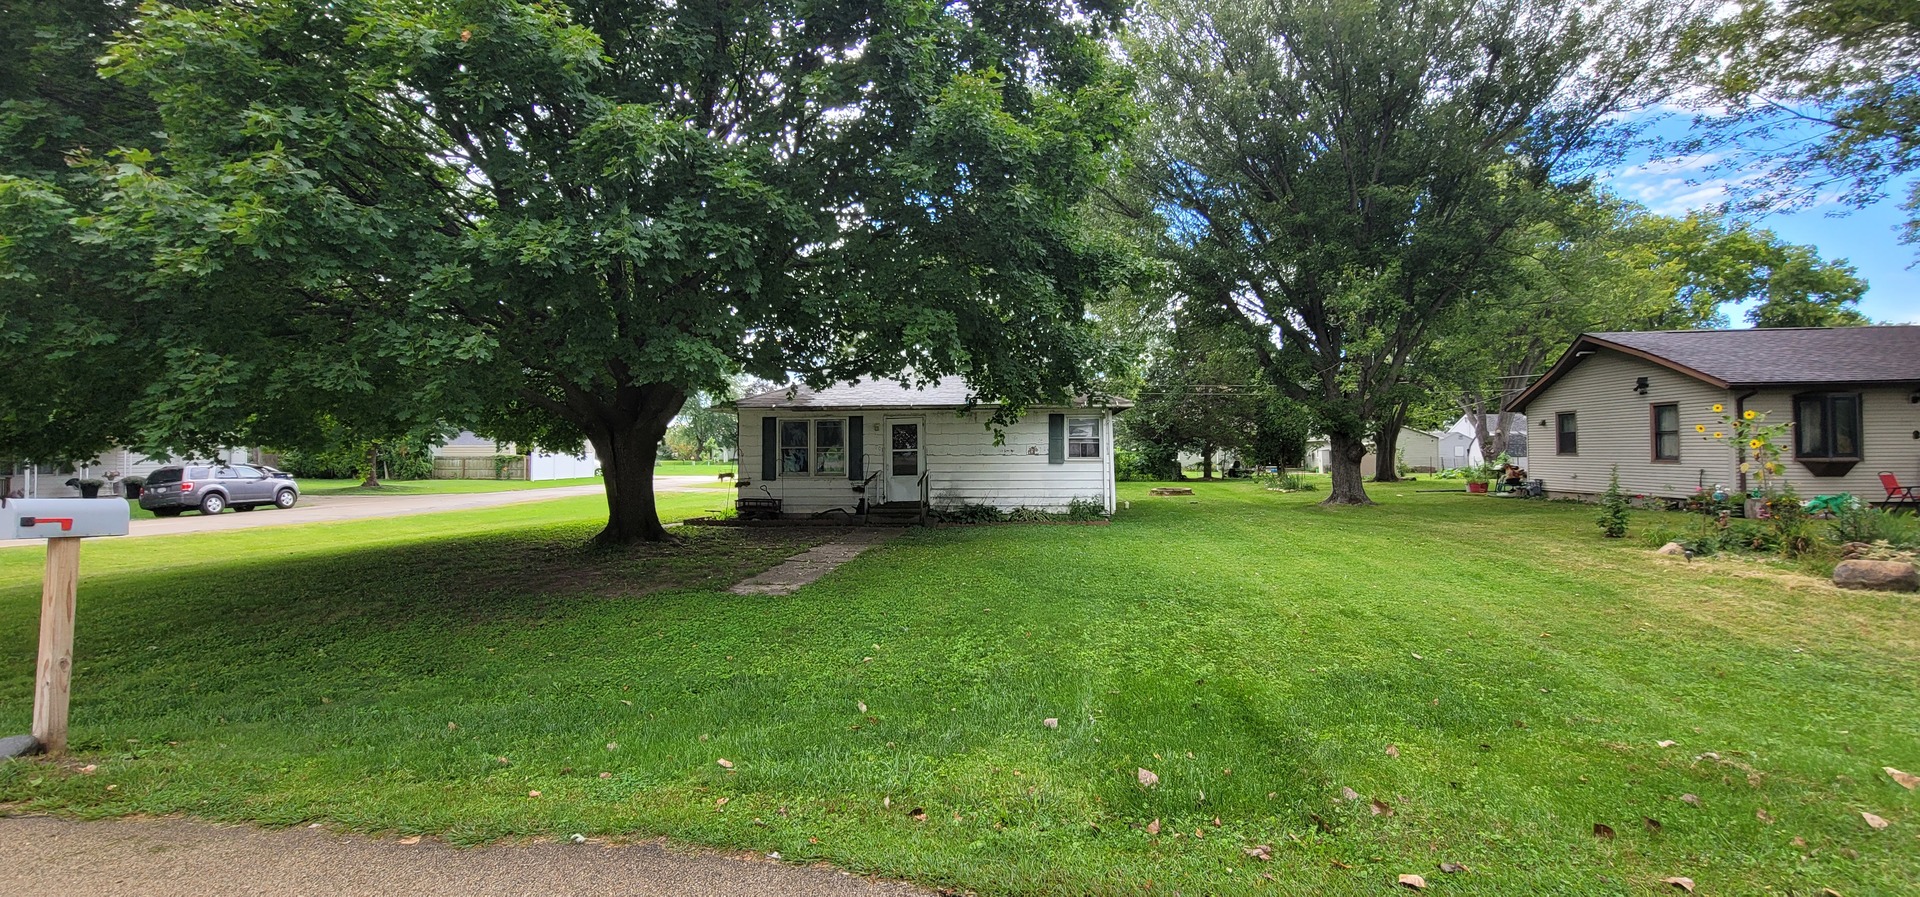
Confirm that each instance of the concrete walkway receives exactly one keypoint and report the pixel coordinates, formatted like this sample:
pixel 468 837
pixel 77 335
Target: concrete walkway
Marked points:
pixel 815 562
pixel 333 508
pixel 169 857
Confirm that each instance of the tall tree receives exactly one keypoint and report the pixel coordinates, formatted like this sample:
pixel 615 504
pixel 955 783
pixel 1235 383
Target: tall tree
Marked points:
pixel 1821 97
pixel 1341 174
pixel 600 209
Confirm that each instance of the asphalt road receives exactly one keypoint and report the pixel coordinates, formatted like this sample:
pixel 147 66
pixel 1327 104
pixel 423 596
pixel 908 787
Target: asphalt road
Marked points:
pixel 329 508
pixel 168 857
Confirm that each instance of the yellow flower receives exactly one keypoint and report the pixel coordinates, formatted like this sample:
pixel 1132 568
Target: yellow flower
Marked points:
pixel 1719 435
pixel 1748 415
pixel 1717 407
pixel 1753 443
pixel 1699 428
pixel 1772 467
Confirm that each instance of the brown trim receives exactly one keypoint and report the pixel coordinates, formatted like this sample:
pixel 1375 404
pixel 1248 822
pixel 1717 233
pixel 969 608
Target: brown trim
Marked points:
pixel 1653 432
pixel 1559 435
pixel 1830 465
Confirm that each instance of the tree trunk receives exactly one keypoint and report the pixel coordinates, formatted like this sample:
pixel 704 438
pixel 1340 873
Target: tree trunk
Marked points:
pixel 1386 447
pixel 1206 462
pixel 373 467
pixel 627 454
pixel 1349 487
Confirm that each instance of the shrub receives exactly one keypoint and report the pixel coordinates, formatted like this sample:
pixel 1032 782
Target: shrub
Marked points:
pixel 1083 509
pixel 1858 521
pixel 1792 527
pixel 967 512
pixel 1613 509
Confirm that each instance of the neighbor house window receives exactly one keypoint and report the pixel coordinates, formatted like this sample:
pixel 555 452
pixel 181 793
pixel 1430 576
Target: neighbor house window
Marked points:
pixel 1827 425
pixel 794 446
pixel 830 446
pixel 1666 432
pixel 1083 437
pixel 1567 429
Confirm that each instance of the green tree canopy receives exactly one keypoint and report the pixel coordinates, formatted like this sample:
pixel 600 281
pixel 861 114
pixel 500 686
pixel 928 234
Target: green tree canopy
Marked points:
pixel 579 214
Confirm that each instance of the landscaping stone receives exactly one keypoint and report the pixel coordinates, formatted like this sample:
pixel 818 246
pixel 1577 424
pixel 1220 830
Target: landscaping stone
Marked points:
pixel 1880 576
pixel 1673 549
pixel 1170 490
pixel 18 746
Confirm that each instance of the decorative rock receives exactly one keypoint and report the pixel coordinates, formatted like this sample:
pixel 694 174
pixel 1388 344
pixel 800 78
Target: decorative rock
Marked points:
pixel 18 746
pixel 1170 490
pixel 1881 576
pixel 1674 549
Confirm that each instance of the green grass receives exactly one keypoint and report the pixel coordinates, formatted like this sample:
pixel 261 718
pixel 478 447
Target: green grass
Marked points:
pixel 1257 652
pixel 694 468
pixel 436 487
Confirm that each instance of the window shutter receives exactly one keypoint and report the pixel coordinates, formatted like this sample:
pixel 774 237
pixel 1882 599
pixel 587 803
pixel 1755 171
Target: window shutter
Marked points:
pixel 856 446
pixel 1056 439
pixel 769 448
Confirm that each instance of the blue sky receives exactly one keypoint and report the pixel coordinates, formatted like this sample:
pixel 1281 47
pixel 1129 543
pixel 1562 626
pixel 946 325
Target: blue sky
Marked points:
pixel 1867 238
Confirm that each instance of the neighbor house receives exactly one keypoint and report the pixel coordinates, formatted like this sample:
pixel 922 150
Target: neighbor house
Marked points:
pixel 470 457
pixel 825 449
pixel 1460 443
pixel 1419 449
pixel 1638 401
pixel 26 479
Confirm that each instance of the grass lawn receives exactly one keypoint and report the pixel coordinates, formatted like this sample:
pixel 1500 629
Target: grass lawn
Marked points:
pixel 1490 671
pixel 694 468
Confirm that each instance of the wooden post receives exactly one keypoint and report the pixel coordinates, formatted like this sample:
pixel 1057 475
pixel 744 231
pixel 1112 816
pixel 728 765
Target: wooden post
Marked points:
pixel 54 682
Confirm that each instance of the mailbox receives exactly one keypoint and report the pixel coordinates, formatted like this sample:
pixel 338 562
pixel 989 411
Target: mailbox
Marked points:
pixel 62 518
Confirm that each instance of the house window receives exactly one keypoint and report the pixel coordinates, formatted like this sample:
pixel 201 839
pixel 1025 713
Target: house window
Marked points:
pixel 1083 437
pixel 1826 426
pixel 1567 429
pixel 830 447
pixel 794 449
pixel 1666 432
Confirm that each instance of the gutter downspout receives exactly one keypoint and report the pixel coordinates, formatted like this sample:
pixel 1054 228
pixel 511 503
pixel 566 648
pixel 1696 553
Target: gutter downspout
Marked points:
pixel 1739 412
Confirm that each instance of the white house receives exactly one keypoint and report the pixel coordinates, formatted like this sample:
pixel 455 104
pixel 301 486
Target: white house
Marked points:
pixel 470 457
pixel 24 479
pixel 817 450
pixel 1420 449
pixel 1641 401
pixel 1460 443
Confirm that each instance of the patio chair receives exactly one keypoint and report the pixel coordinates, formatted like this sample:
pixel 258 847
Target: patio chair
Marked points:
pixel 1897 494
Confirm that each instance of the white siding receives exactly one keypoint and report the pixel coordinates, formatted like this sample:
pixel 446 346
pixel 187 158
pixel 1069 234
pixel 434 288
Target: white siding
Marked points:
pixel 962 462
pixel 1616 428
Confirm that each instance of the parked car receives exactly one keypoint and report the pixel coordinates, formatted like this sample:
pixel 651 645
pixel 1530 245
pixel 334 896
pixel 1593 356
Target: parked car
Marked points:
pixel 212 488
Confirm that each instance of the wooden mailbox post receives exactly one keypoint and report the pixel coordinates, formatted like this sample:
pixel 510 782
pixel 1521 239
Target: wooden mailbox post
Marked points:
pixel 63 522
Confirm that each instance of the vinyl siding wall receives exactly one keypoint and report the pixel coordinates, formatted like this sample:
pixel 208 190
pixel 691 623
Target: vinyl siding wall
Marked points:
pixel 1616 428
pixel 959 455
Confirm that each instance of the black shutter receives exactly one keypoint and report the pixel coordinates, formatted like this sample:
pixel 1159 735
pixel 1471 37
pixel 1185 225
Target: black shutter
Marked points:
pixel 769 448
pixel 856 445
pixel 1056 439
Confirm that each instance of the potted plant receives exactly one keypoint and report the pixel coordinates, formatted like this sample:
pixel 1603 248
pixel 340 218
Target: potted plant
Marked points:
pixel 90 487
pixel 133 486
pixel 1478 476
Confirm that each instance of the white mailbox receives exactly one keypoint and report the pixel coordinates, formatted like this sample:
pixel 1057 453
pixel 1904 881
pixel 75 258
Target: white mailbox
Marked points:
pixel 63 518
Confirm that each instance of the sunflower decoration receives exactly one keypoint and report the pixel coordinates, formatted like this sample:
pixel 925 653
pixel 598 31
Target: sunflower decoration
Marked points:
pixel 1747 414
pixel 1717 407
pixel 1719 435
pixel 1699 428
pixel 1753 443
pixel 1757 444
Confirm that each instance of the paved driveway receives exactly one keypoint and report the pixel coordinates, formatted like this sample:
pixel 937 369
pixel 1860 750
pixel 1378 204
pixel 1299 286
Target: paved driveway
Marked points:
pixel 329 508
pixel 167 857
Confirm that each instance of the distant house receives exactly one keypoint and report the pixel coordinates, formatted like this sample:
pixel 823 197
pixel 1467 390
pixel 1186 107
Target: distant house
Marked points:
pixel 818 450
pixel 471 457
pixel 25 479
pixel 1636 401
pixel 1460 443
pixel 1419 449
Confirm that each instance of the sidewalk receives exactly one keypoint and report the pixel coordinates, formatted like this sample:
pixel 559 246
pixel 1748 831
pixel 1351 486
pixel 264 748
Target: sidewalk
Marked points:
pixel 179 858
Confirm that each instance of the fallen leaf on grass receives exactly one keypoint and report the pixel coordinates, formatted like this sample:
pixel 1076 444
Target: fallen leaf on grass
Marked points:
pixel 533 794
pixel 1393 752
pixel 1762 815
pixel 1348 794
pixel 1873 821
pixel 452 726
pixel 1690 798
pixel 724 763
pixel 1216 822
pixel 1051 722
pixel 410 839
pixel 1418 657
pixel 1603 831
pixel 1413 881
pixel 862 705
pixel 721 802
pixel 1146 777
pixel 1829 892
pixel 1666 743
pixel 919 814
pixel 606 775
pixel 1451 868
pixel 89 769
pixel 1320 822
pixel 1680 881
pixel 1907 780
pixel 1652 824
pixel 1339 865
pixel 1261 852
pixel 1153 828
pixel 1380 807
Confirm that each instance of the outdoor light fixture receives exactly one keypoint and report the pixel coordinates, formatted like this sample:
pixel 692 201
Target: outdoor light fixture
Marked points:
pixel 1640 386
pixel 1915 398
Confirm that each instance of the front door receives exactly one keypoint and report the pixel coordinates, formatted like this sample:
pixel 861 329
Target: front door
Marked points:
pixel 904 460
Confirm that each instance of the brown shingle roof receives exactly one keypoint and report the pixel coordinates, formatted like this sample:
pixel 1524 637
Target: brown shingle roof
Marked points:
pixel 1752 358
pixel 951 392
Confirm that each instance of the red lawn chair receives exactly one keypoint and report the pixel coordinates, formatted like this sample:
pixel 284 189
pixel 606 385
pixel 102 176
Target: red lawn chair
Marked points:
pixel 1897 494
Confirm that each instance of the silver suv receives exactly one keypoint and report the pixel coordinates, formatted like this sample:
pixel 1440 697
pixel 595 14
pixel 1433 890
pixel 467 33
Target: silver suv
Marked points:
pixel 211 489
